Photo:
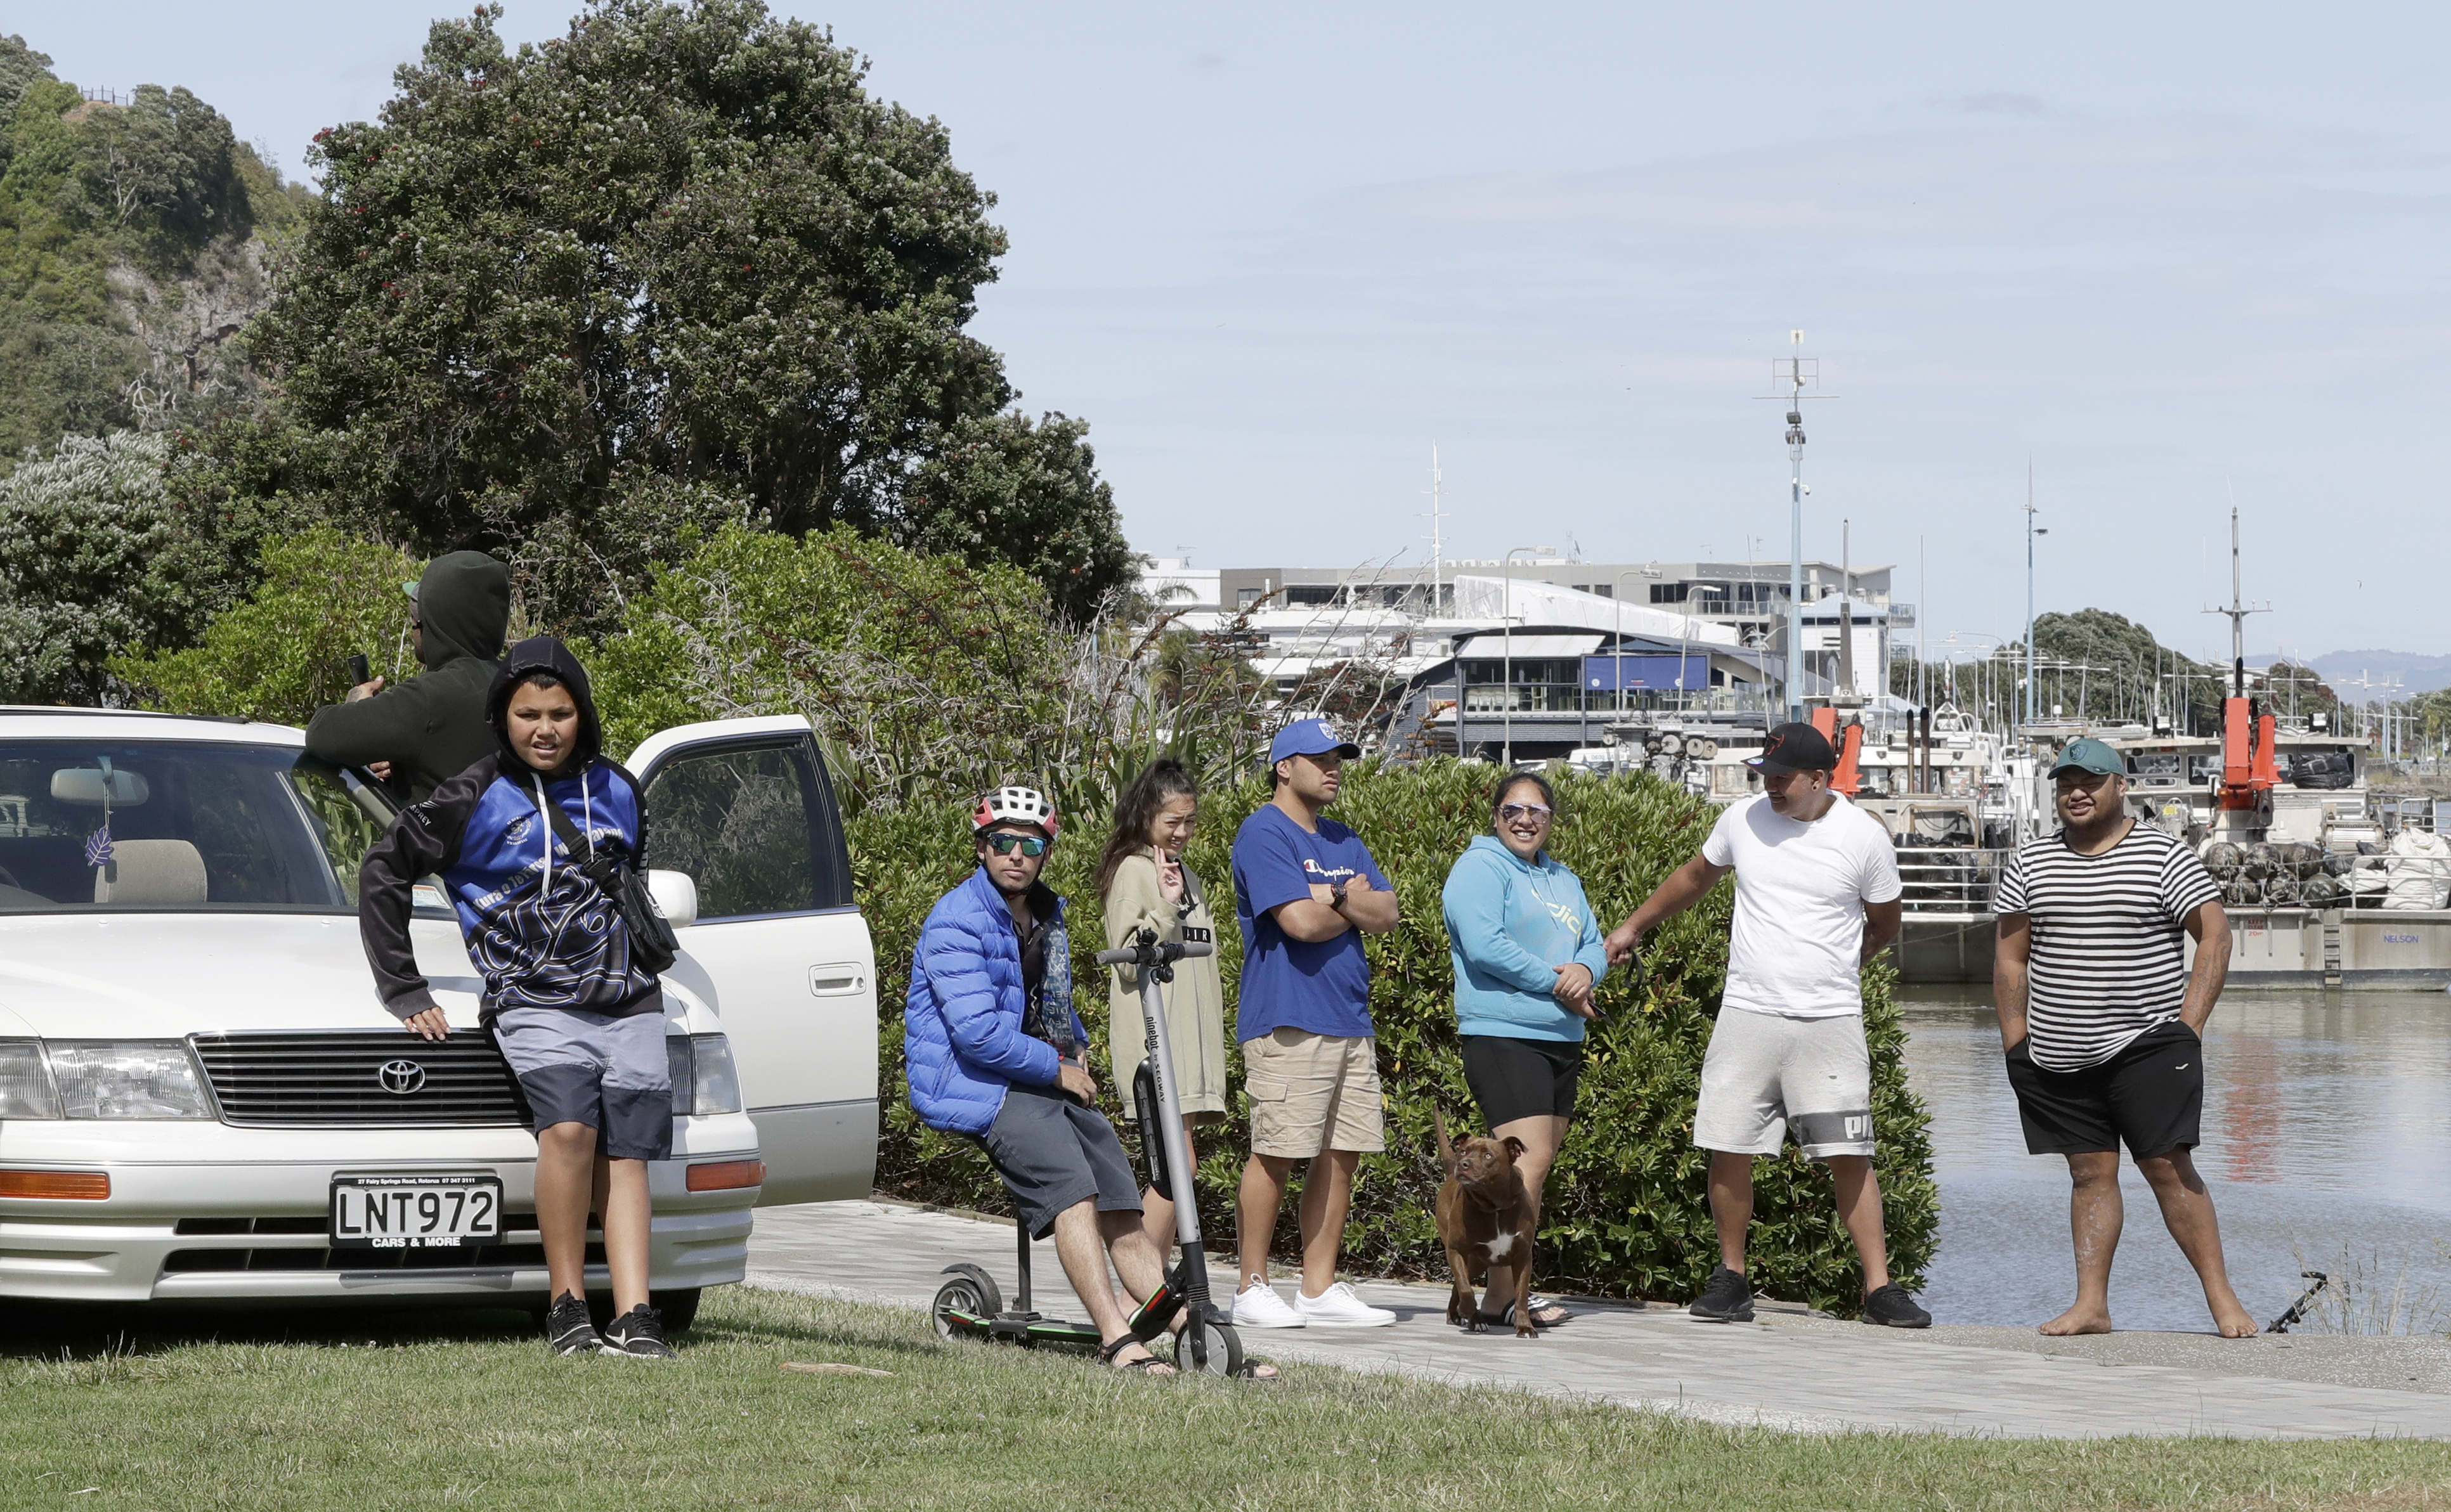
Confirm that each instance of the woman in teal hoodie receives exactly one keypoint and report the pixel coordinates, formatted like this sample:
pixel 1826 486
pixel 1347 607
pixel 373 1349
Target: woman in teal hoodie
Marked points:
pixel 1527 954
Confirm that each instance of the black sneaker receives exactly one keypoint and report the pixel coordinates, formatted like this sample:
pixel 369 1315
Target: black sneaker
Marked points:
pixel 1891 1308
pixel 640 1333
pixel 1727 1298
pixel 568 1329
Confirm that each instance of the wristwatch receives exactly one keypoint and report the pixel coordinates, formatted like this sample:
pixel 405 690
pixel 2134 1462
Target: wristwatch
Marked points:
pixel 1336 895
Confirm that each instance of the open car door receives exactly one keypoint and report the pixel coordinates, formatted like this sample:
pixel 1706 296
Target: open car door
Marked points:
pixel 779 947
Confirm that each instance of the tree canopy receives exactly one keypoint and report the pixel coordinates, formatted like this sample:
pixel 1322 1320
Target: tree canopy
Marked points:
pixel 675 267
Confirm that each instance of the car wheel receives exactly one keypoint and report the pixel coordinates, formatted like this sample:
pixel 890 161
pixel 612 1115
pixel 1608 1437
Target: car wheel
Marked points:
pixel 678 1307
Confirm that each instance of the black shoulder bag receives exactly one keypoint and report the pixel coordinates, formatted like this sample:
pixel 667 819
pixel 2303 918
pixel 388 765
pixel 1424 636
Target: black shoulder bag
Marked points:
pixel 652 944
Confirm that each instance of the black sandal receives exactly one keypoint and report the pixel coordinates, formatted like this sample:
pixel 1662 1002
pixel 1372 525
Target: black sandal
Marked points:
pixel 1506 1318
pixel 1146 1365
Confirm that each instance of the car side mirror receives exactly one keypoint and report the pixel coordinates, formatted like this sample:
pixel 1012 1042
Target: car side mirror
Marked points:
pixel 676 896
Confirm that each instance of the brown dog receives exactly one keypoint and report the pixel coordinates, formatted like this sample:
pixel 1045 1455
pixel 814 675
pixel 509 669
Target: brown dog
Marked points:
pixel 1485 1223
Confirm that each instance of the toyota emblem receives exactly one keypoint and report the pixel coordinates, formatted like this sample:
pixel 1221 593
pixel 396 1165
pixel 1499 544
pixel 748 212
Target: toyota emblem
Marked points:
pixel 400 1077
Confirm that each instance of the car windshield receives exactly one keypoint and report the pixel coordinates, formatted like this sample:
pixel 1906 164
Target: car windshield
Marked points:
pixel 135 825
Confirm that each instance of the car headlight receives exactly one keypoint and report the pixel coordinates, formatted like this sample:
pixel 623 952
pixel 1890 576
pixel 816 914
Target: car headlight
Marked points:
pixel 122 1078
pixel 719 1083
pixel 704 1079
pixel 26 1090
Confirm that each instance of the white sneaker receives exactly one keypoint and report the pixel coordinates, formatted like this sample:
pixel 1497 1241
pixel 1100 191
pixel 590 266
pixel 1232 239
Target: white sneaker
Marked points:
pixel 1257 1306
pixel 1339 1308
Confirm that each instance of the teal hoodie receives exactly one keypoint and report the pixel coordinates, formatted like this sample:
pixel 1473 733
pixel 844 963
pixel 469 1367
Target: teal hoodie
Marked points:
pixel 1508 923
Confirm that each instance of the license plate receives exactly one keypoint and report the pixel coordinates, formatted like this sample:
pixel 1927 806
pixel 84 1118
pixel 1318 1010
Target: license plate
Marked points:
pixel 415 1213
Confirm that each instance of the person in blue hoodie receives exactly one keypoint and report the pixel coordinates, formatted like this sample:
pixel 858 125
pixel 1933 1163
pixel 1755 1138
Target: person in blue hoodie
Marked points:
pixel 1528 952
pixel 579 1020
pixel 995 1049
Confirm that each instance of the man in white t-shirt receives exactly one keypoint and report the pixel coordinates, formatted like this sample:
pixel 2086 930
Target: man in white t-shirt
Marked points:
pixel 1817 897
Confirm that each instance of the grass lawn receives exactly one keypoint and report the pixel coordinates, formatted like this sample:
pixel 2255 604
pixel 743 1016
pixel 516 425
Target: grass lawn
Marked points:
pixel 360 1412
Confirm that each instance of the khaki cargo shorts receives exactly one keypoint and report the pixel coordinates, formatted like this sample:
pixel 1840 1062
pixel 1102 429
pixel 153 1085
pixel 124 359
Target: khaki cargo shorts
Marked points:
pixel 1311 1093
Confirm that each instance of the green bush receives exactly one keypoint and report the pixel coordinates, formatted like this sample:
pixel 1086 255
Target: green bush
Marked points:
pixel 285 652
pixel 1626 1212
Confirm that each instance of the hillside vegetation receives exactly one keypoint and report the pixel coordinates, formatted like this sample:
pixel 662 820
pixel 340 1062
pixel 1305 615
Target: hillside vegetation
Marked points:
pixel 132 243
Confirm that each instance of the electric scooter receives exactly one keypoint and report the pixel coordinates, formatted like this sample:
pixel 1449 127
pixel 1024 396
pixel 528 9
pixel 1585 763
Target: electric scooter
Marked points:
pixel 971 1306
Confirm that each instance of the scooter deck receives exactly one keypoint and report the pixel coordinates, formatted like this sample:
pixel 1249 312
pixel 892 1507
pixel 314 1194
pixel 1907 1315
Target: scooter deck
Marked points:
pixel 1022 1330
pixel 1149 1320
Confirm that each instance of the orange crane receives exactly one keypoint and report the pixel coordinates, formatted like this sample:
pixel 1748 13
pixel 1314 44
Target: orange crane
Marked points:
pixel 2250 762
pixel 1849 744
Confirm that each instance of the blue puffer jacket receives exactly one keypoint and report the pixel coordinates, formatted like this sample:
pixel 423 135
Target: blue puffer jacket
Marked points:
pixel 961 1040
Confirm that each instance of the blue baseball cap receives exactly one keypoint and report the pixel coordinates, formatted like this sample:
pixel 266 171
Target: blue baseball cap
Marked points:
pixel 1310 737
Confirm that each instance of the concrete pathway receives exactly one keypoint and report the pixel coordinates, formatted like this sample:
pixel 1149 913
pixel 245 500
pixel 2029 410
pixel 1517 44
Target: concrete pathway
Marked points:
pixel 1787 1369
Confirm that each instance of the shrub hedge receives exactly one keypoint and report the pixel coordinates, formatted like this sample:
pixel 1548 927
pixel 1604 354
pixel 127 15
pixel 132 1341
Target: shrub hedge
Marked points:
pixel 1626 1215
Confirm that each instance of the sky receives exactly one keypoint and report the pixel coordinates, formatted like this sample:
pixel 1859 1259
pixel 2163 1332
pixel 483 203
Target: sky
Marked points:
pixel 2172 258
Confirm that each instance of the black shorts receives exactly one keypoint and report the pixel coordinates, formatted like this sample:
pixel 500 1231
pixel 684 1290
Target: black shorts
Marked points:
pixel 2151 1096
pixel 1053 1152
pixel 1523 1079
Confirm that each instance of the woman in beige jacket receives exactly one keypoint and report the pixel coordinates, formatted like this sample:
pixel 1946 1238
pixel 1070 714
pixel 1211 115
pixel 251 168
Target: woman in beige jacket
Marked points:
pixel 1144 885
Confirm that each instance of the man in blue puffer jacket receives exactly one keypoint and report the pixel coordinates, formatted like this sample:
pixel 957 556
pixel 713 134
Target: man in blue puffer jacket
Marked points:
pixel 995 1049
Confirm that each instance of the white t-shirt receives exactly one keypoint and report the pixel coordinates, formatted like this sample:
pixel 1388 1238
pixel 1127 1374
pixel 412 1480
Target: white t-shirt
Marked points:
pixel 1801 894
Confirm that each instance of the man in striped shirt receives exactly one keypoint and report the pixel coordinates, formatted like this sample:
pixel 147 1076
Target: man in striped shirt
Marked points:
pixel 2103 1022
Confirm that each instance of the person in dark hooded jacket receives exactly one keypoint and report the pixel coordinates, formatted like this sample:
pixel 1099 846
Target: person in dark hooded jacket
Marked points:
pixel 578 1019
pixel 432 726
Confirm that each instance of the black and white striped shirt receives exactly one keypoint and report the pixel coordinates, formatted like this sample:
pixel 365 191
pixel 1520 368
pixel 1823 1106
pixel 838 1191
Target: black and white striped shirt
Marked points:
pixel 2107 960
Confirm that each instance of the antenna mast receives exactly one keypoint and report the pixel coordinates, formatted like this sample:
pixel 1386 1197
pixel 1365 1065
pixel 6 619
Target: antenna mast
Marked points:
pixel 2237 612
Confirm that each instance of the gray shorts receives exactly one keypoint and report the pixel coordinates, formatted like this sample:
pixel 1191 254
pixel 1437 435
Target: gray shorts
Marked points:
pixel 611 1074
pixel 1765 1072
pixel 1053 1152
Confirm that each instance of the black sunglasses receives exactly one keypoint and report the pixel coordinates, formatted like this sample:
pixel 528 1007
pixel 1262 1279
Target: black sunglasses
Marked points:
pixel 1030 844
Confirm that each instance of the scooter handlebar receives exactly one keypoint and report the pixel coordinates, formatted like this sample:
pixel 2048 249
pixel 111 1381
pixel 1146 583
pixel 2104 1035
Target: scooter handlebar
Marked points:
pixel 1152 954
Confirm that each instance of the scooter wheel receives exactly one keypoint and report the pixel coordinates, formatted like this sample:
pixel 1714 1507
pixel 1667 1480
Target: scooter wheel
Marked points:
pixel 971 1291
pixel 1221 1346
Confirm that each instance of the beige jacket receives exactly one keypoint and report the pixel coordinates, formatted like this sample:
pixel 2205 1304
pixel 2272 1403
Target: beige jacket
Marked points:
pixel 1195 1002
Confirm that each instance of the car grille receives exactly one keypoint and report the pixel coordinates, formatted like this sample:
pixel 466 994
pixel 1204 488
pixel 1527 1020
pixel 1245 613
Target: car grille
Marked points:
pixel 283 1080
pixel 518 1246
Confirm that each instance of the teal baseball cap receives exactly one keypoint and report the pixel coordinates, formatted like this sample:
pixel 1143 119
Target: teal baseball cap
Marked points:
pixel 2089 755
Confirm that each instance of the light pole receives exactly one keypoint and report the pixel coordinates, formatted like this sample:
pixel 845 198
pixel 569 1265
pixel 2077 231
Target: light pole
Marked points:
pixel 2030 534
pixel 1798 373
pixel 1619 597
pixel 1506 630
pixel 1796 548
pixel 1685 650
pixel 1991 657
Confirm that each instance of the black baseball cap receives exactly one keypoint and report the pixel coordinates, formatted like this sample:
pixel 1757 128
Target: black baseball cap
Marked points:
pixel 1795 749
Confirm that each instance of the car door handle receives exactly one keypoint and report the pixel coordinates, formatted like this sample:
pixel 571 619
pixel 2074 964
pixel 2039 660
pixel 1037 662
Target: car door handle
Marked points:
pixel 836 982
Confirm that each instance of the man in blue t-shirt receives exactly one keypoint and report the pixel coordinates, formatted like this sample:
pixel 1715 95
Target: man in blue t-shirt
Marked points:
pixel 1306 890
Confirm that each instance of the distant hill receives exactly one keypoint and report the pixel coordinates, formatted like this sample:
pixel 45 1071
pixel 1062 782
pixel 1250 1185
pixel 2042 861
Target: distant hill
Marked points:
pixel 132 241
pixel 2416 674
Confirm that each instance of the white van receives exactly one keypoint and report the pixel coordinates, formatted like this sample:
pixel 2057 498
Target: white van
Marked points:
pixel 201 1095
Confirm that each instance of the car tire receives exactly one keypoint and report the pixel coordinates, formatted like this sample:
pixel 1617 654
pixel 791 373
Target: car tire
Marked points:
pixel 678 1307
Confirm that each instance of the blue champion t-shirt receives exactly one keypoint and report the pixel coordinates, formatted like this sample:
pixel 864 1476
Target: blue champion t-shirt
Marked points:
pixel 1289 983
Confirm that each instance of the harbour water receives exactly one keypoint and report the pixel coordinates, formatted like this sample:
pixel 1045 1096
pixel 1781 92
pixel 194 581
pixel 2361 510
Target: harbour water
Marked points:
pixel 2327 1137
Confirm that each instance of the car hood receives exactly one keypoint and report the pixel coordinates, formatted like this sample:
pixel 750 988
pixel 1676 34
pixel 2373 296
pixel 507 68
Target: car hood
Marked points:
pixel 164 975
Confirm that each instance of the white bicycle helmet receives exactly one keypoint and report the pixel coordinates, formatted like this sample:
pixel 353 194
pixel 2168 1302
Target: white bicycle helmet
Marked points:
pixel 1015 805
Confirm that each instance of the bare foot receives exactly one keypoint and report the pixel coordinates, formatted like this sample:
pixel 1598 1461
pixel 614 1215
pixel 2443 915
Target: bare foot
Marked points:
pixel 2077 1320
pixel 2233 1322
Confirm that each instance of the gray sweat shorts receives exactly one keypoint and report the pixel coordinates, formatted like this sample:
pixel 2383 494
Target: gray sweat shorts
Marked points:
pixel 611 1074
pixel 1766 1074
pixel 1053 1152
